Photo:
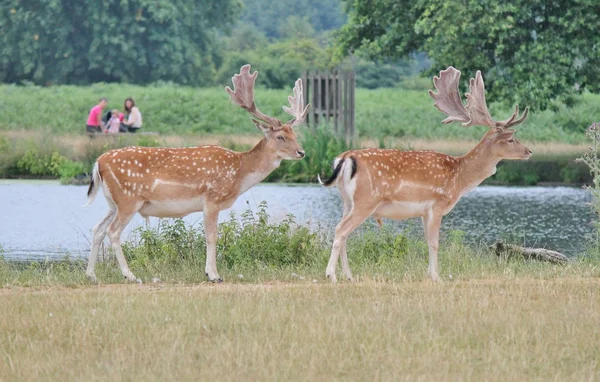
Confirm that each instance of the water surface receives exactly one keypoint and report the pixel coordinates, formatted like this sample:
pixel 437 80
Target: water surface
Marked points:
pixel 42 219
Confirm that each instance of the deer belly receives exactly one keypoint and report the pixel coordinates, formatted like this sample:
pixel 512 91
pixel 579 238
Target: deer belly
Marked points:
pixel 402 210
pixel 172 208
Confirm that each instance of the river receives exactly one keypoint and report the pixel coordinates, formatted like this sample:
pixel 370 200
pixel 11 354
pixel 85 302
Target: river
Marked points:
pixel 44 220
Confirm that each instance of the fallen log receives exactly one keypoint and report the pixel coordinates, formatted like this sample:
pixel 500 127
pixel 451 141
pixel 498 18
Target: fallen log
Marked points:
pixel 540 254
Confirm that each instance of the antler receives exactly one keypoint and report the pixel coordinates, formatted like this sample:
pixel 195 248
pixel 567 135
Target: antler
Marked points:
pixel 475 112
pixel 476 105
pixel 243 95
pixel 446 100
pixel 297 109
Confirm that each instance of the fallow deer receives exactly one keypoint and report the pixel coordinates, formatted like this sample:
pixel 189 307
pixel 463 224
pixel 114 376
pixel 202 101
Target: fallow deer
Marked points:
pixel 174 182
pixel 404 184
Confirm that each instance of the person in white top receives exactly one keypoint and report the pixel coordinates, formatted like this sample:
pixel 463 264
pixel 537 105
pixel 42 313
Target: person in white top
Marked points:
pixel 134 116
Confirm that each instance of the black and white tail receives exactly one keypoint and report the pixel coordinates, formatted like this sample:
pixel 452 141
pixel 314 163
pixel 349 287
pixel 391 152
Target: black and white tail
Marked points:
pixel 338 164
pixel 94 185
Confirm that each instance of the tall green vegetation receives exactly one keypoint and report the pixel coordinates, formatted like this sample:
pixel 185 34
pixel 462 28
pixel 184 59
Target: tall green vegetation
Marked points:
pixel 530 52
pixel 136 41
pixel 592 160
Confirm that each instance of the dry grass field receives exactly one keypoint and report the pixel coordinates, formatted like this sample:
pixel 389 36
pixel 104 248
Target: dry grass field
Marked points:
pixel 488 329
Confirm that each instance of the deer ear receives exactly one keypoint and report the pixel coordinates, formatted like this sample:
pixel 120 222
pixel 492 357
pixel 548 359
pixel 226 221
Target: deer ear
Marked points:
pixel 260 126
pixel 505 134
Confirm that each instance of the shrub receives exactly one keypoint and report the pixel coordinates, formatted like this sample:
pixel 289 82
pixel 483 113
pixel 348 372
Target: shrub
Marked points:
pixel 70 169
pixel 592 160
pixel 321 145
pixel 35 162
pixel 253 241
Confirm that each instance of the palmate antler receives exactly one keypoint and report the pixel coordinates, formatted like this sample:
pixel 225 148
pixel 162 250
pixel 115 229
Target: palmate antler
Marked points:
pixel 297 108
pixel 243 95
pixel 475 112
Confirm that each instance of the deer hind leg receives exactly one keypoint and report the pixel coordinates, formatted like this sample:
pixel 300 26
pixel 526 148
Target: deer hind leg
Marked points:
pixel 116 227
pixel 348 224
pixel 98 235
pixel 344 255
pixel 211 220
pixel 431 226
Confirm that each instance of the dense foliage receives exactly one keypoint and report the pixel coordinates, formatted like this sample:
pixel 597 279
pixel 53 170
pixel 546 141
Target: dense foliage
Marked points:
pixel 50 42
pixel 530 52
pixel 135 41
pixel 277 19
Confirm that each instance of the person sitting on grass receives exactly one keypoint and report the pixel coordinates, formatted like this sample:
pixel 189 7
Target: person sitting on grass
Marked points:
pixel 94 122
pixel 134 116
pixel 114 122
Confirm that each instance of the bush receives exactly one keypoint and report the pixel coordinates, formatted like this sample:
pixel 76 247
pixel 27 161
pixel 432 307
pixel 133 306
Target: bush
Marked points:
pixel 70 169
pixel 321 145
pixel 533 171
pixel 35 162
pixel 592 160
pixel 252 242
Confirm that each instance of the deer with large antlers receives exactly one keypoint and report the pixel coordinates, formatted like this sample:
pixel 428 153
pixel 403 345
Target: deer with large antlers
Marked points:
pixel 174 182
pixel 404 184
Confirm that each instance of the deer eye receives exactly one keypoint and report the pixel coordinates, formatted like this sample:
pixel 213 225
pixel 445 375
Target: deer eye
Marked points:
pixel 280 138
pixel 511 141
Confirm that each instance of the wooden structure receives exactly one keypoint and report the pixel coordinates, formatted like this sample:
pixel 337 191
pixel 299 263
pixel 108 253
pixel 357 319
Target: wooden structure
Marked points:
pixel 331 95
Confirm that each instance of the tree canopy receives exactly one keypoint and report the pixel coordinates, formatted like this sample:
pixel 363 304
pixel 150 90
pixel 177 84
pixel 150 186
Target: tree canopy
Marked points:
pixel 530 51
pixel 275 18
pixel 136 41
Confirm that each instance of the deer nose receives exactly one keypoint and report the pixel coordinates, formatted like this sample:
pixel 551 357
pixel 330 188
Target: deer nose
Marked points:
pixel 300 153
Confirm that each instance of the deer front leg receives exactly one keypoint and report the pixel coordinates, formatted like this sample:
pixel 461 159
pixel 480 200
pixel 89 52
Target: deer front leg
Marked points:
pixel 211 220
pixel 431 226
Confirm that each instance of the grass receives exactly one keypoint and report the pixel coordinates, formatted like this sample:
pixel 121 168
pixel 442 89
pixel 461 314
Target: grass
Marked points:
pixel 499 329
pixel 175 110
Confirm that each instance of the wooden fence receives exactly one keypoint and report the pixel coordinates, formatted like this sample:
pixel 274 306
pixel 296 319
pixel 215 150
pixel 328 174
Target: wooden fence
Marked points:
pixel 331 94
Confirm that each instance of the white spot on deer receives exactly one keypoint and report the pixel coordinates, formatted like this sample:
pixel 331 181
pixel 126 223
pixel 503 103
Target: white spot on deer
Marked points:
pixel 128 172
pixel 147 170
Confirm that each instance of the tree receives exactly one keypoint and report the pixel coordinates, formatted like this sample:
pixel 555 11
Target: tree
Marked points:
pixel 137 41
pixel 529 51
pixel 271 17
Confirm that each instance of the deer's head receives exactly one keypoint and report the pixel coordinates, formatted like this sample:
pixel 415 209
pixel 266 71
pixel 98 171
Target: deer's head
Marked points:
pixel 499 140
pixel 281 138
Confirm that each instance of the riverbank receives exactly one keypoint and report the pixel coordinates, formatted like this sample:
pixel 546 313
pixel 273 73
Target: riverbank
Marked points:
pixel 24 154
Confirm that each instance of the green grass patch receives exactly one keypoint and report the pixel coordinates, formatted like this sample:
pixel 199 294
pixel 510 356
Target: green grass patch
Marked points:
pixel 172 109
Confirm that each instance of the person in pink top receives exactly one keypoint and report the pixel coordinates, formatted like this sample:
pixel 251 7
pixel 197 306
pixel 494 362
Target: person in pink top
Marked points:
pixel 112 126
pixel 94 121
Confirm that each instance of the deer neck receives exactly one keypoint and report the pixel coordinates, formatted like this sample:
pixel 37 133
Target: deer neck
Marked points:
pixel 257 164
pixel 476 166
